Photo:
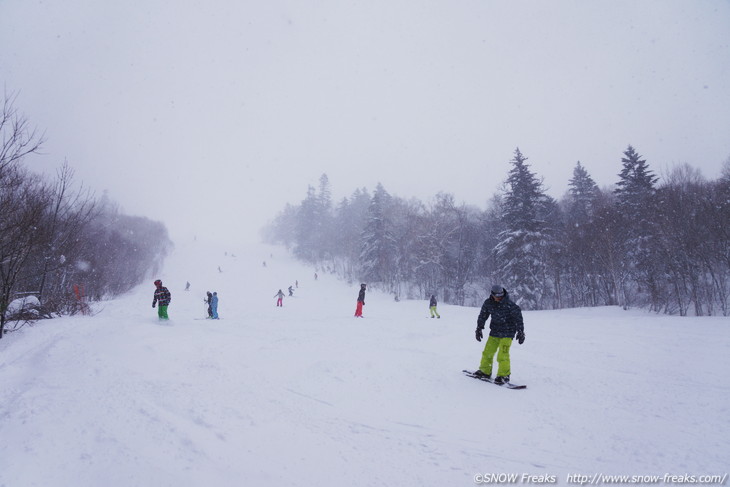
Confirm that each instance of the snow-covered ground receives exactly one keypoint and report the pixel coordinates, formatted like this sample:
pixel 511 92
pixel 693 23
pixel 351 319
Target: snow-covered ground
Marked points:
pixel 309 395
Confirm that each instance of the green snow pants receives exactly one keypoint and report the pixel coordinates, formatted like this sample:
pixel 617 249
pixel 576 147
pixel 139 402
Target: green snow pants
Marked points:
pixel 162 312
pixel 434 312
pixel 500 346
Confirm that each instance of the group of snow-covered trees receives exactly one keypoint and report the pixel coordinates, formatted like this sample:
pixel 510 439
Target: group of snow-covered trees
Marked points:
pixel 59 244
pixel 661 246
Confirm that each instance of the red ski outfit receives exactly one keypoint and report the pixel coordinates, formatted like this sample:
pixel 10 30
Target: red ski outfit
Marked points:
pixel 360 301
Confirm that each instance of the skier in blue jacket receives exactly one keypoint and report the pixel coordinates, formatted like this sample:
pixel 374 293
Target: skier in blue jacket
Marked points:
pixel 214 305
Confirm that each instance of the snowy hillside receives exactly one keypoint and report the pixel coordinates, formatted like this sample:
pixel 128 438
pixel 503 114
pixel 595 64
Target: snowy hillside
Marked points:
pixel 308 395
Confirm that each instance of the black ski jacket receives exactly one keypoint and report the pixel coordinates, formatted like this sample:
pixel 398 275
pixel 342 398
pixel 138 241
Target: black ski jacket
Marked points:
pixel 506 317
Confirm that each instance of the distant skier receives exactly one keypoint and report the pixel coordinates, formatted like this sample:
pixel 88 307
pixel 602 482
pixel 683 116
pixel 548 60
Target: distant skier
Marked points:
pixel 163 296
pixel 506 321
pixel 187 286
pixel 360 301
pixel 280 296
pixel 432 307
pixel 209 301
pixel 291 291
pixel 214 305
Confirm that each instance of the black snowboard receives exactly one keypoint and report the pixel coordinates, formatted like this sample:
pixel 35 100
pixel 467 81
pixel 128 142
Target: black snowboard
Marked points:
pixel 507 385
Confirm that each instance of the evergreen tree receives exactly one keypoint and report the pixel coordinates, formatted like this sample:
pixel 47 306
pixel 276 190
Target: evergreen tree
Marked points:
pixel 635 193
pixel 578 262
pixel 325 230
pixel 349 222
pixel 314 226
pixel 378 249
pixel 635 187
pixel 284 227
pixel 521 254
pixel 306 246
pixel 325 193
pixel 583 191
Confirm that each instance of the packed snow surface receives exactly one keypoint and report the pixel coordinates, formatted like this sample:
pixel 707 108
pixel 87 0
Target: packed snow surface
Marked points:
pixel 306 394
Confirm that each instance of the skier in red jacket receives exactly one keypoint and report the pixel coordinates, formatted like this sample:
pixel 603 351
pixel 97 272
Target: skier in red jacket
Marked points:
pixel 360 301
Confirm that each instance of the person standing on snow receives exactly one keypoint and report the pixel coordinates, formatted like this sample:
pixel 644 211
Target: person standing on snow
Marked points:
pixel 360 301
pixel 280 300
pixel 214 305
pixel 291 291
pixel 162 295
pixel 432 307
pixel 506 322
pixel 209 301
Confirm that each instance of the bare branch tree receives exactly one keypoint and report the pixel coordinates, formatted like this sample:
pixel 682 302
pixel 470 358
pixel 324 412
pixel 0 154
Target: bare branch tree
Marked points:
pixel 22 205
pixel 17 138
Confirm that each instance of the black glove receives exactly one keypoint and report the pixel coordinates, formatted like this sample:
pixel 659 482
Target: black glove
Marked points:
pixel 520 337
pixel 153 305
pixel 479 334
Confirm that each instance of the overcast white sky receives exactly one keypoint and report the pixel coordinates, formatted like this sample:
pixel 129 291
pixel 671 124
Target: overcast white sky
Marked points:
pixel 211 115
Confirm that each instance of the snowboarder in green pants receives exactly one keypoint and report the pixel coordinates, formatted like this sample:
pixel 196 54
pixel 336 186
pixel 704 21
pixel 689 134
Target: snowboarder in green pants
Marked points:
pixel 432 307
pixel 162 295
pixel 506 322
